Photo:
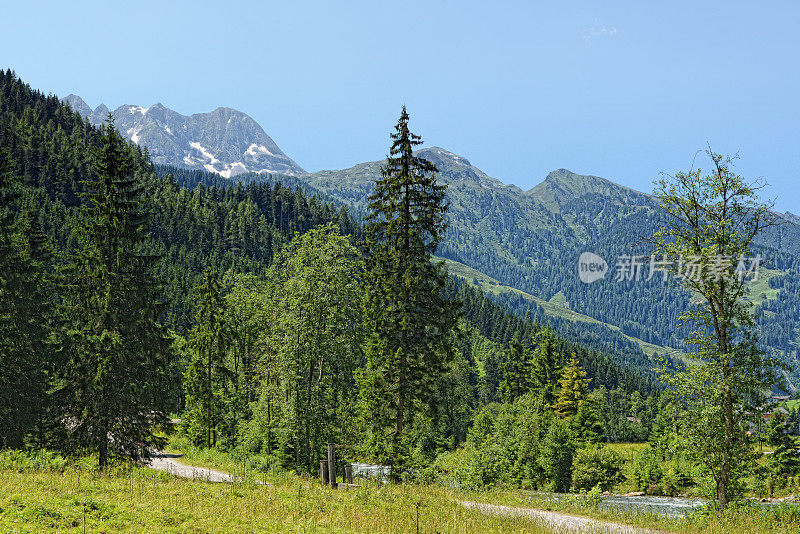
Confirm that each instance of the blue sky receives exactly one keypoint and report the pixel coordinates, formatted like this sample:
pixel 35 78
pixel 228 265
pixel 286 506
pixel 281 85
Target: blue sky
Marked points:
pixel 622 90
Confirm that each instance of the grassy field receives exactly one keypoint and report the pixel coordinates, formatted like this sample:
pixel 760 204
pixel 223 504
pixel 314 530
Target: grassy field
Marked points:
pixel 142 500
pixel 54 495
pixel 759 290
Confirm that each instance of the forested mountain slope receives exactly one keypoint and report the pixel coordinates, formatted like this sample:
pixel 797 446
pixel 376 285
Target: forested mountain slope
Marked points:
pixel 531 241
pixel 50 148
pixel 527 240
pixel 222 228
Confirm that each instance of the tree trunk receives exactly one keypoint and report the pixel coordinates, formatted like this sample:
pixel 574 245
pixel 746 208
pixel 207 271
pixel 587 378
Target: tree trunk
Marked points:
pixel 102 446
pixel 723 485
pixel 208 402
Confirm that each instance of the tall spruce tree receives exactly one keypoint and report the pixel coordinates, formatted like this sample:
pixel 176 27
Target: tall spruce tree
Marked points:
pixel 517 371
pixel 408 322
pixel 13 363
pixel 545 366
pixel 206 375
pixel 115 380
pixel 27 314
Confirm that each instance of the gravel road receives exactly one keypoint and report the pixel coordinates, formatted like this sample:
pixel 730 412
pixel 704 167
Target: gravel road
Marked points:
pixel 557 521
pixel 166 462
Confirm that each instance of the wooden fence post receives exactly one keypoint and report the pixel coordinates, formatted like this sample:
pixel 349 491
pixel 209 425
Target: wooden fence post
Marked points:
pixel 323 472
pixel 332 465
pixel 348 473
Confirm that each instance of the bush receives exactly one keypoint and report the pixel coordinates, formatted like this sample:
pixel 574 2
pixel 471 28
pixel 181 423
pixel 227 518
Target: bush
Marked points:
pixel 29 461
pixel 484 468
pixel 596 466
pixel 678 478
pixel 556 456
pixel 647 472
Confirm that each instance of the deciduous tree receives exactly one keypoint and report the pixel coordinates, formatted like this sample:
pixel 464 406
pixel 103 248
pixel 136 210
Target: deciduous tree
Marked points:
pixel 714 220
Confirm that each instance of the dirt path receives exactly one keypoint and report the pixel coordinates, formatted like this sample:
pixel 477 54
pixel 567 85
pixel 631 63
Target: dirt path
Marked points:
pixel 557 521
pixel 163 461
pixel 560 522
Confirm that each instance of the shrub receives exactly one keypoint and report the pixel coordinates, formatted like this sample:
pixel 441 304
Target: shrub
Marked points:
pixel 596 466
pixel 678 478
pixel 647 472
pixel 30 461
pixel 556 456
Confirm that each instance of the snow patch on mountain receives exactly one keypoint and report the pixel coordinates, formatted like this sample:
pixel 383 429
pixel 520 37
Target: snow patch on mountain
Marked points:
pixel 254 150
pixel 133 134
pixel 204 151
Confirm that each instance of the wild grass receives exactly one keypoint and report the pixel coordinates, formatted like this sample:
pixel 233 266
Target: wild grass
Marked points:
pixel 142 500
pixel 628 451
pixel 44 492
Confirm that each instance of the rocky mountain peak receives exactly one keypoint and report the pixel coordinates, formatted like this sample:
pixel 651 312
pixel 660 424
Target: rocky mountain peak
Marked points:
pixel 224 141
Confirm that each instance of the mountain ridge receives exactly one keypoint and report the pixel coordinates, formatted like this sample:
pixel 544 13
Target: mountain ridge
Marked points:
pixel 224 141
pixel 531 240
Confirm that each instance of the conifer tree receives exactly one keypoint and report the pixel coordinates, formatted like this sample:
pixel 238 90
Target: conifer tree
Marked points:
pixel 585 424
pixel 573 388
pixel 115 381
pixel 206 374
pixel 11 364
pixel 407 320
pixel 491 379
pixel 516 371
pixel 545 366
pixel 26 314
pixel 785 460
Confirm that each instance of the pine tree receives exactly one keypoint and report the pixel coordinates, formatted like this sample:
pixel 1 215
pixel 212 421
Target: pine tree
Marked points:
pixel 776 429
pixel 115 381
pixel 585 424
pixel 545 366
pixel 13 364
pixel 573 389
pixel 206 375
pixel 491 379
pixel 407 320
pixel 27 317
pixel 516 371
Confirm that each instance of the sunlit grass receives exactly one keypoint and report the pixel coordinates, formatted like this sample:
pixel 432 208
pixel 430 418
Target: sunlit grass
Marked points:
pixel 47 494
pixel 143 500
